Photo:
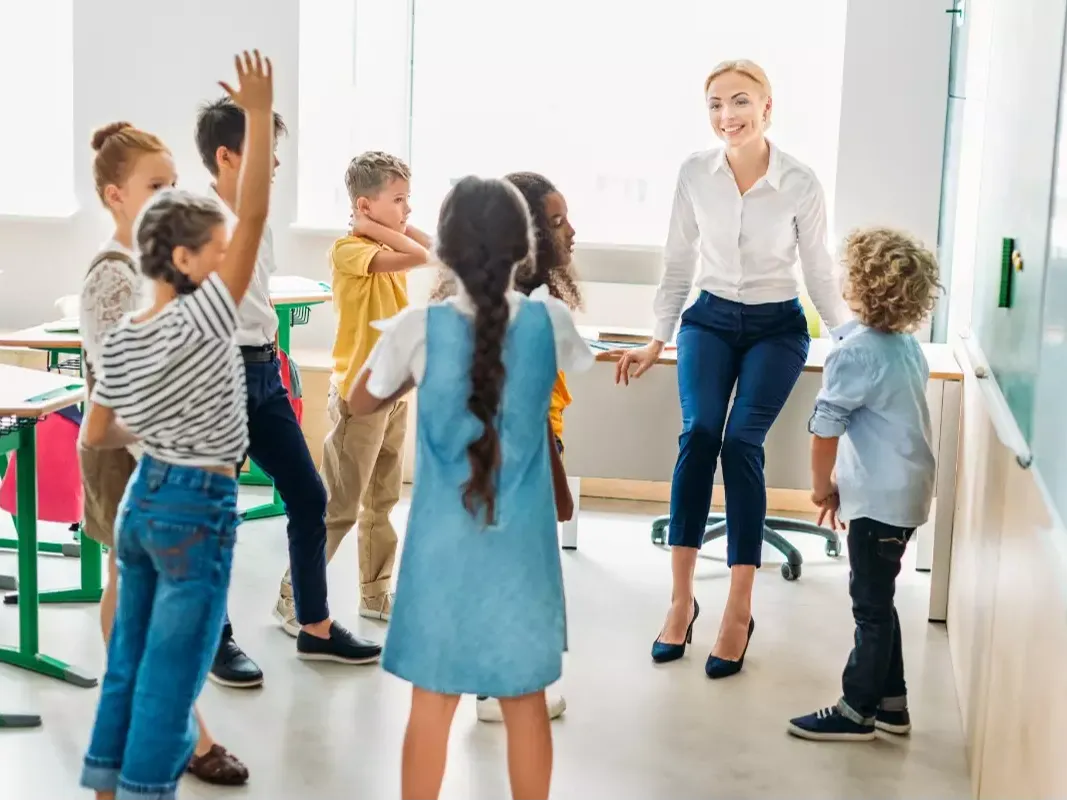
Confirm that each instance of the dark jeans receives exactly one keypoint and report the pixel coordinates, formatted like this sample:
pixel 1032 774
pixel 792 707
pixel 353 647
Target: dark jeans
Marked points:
pixel 176 532
pixel 761 350
pixel 277 445
pixel 874 675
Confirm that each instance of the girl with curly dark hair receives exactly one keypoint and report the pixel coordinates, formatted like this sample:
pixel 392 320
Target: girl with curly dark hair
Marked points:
pixel 479 603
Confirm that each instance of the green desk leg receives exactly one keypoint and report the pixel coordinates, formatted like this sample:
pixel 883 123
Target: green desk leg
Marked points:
pixel 92 587
pixel 255 476
pixel 27 655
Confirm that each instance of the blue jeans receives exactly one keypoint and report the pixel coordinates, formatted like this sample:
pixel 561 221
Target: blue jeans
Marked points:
pixel 277 445
pixel 175 536
pixel 874 675
pixel 760 350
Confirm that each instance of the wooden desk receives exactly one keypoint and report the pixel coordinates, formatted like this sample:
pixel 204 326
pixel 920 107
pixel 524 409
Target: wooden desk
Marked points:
pixel 631 433
pixel 25 397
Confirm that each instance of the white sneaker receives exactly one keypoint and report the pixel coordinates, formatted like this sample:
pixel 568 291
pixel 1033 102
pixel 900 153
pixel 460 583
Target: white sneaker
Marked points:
pixel 379 607
pixel 285 614
pixel 489 710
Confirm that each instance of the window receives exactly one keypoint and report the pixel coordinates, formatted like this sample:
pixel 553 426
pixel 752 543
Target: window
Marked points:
pixel 354 80
pixel 604 98
pixel 37 90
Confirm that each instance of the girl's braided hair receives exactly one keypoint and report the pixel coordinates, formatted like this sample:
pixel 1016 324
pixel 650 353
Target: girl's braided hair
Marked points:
pixel 174 218
pixel 482 233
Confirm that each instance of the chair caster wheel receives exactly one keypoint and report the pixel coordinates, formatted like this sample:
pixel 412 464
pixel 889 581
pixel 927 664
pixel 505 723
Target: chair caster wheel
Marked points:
pixel 833 549
pixel 659 535
pixel 790 572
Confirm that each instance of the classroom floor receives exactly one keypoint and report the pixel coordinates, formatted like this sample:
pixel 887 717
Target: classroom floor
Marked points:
pixel 632 730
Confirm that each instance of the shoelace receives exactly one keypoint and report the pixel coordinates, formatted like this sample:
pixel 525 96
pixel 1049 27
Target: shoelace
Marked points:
pixel 826 712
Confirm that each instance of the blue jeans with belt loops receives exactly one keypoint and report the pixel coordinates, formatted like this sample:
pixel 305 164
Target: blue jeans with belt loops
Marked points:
pixel 760 350
pixel 174 538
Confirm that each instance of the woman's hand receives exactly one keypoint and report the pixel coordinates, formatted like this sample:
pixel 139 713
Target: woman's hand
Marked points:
pixel 634 362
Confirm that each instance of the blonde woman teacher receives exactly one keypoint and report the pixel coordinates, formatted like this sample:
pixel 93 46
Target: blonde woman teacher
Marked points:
pixel 743 214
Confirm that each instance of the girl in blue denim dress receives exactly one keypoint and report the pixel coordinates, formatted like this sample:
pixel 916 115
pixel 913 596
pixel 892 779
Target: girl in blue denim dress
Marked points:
pixel 479 603
pixel 171 378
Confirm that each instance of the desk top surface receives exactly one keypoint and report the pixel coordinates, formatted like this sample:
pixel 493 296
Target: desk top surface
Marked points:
pixel 943 364
pixel 34 393
pixel 38 338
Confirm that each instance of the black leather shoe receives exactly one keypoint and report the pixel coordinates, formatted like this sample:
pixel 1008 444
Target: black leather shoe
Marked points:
pixel 342 646
pixel 233 668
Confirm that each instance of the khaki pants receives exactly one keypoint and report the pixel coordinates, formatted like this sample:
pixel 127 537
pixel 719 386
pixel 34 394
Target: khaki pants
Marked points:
pixel 362 467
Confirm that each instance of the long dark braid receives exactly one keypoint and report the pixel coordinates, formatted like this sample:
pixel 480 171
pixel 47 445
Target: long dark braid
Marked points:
pixel 483 232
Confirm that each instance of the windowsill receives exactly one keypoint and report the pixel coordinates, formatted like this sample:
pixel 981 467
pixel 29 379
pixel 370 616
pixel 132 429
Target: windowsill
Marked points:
pixel 58 216
pixel 316 229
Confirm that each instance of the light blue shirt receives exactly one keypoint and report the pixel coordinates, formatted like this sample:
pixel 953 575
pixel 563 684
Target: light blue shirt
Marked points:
pixel 874 398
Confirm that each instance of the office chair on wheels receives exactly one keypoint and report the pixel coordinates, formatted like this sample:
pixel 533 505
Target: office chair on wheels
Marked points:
pixel 772 535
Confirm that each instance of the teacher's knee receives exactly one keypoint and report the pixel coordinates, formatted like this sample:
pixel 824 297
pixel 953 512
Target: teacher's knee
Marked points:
pixel 701 437
pixel 739 448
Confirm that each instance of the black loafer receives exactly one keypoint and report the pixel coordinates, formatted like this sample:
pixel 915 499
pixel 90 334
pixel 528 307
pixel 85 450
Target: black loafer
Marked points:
pixel 342 646
pixel 233 668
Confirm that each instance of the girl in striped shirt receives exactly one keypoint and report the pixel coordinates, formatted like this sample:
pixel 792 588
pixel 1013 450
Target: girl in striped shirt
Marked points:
pixel 171 378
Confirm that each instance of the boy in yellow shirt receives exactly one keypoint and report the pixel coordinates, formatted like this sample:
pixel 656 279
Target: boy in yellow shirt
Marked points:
pixel 362 457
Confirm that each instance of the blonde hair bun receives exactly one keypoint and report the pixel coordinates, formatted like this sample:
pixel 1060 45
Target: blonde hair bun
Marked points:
pixel 102 134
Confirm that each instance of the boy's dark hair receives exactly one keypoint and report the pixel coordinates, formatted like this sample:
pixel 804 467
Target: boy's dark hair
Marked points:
pixel 482 233
pixel 368 172
pixel 221 123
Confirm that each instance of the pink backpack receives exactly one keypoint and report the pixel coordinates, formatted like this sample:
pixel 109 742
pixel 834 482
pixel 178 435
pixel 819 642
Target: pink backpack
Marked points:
pixel 59 483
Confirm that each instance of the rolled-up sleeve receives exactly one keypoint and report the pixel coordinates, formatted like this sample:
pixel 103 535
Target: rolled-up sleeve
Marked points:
pixel 844 390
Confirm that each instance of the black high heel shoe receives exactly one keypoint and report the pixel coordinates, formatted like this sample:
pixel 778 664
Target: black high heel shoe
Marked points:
pixel 667 652
pixel 717 668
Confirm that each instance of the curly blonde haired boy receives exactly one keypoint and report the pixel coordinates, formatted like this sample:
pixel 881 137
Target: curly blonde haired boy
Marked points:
pixel 891 279
pixel 872 464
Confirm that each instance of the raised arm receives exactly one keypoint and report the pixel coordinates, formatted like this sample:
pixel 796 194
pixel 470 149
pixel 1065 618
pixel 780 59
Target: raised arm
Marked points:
pixel 255 95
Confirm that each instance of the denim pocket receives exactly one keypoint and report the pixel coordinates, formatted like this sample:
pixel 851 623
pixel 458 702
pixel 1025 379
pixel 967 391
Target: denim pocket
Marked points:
pixel 890 547
pixel 189 551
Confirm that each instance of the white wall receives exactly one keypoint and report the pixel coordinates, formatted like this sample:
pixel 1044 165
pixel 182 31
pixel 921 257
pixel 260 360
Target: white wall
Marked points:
pixel 152 63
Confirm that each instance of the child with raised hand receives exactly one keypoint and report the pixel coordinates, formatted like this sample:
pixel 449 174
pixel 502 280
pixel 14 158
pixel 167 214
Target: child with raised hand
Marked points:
pixel 129 167
pixel 871 427
pixel 479 601
pixel 170 377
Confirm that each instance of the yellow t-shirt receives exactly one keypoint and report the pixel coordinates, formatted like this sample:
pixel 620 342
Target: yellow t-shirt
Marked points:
pixel 560 400
pixel 360 298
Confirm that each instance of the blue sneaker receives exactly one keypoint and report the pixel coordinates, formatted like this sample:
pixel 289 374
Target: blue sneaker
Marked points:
pixel 893 721
pixel 830 725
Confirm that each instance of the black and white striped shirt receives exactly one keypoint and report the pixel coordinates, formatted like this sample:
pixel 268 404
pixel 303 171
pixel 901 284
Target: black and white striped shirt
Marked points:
pixel 176 380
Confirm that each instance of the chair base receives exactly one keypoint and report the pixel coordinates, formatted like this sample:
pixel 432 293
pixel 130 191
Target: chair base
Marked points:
pixel 772 535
